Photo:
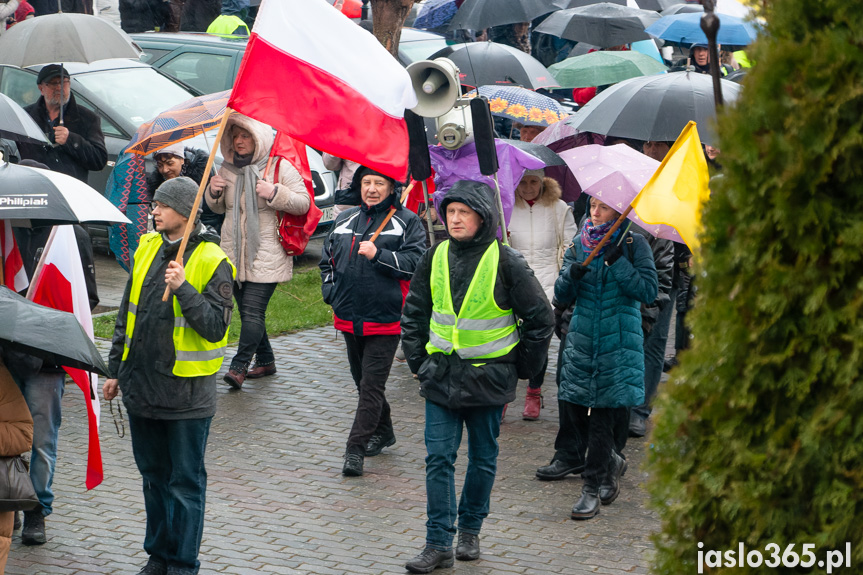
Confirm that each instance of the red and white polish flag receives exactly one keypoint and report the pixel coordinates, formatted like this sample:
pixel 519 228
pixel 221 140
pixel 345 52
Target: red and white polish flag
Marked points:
pixel 14 275
pixel 60 284
pixel 312 73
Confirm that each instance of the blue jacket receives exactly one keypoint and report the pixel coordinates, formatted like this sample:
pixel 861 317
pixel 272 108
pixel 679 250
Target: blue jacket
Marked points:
pixel 603 361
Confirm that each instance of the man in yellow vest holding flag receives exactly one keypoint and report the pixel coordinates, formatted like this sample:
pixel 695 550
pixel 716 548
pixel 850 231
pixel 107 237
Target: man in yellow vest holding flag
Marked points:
pixel 475 321
pixel 164 358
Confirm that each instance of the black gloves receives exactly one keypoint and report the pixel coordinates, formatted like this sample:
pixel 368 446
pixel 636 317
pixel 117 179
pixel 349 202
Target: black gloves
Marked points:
pixel 577 271
pixel 612 254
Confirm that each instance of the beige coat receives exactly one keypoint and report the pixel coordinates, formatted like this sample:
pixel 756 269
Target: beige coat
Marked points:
pixel 271 263
pixel 16 437
pixel 540 232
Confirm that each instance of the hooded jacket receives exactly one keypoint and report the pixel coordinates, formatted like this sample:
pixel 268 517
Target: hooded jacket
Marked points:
pixel 367 295
pixel 539 231
pixel 272 264
pixel 194 164
pixel 447 379
pixel 84 150
pixel 603 355
pixel 150 388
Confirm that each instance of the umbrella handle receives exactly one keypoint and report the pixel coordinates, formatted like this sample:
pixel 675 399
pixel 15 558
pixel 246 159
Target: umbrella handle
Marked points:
pixel 607 236
pixel 190 225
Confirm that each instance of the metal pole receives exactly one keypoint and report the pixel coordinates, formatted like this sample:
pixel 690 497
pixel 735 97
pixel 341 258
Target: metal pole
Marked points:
pixel 500 209
pixel 429 222
pixel 710 25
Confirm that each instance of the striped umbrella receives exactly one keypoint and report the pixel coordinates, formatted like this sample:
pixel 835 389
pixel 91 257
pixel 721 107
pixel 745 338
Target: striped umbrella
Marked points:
pixel 521 105
pixel 183 121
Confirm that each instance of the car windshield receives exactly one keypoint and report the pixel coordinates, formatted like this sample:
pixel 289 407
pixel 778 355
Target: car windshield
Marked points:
pixel 136 94
pixel 421 49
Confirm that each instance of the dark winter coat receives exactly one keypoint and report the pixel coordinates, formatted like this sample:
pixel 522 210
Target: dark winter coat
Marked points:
pixel 603 357
pixel 367 295
pixel 663 259
pixel 195 162
pixel 84 150
pixel 447 379
pixel 150 389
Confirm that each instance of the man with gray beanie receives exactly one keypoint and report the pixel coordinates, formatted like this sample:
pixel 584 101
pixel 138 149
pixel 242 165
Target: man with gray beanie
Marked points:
pixel 164 358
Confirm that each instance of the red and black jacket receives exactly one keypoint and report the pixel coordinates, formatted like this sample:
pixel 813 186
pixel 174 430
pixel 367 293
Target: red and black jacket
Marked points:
pixel 367 295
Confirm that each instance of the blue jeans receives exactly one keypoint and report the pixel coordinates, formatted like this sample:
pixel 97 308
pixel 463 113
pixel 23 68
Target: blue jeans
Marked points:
pixel 443 432
pixel 43 393
pixel 170 457
pixel 252 301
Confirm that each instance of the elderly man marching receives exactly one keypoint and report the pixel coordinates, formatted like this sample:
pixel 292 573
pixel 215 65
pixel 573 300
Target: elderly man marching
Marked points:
pixel 461 336
pixel 164 357
pixel 365 278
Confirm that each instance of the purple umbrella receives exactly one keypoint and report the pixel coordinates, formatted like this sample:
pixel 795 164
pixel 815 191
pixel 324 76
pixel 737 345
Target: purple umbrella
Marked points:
pixel 450 166
pixel 615 175
pixel 559 137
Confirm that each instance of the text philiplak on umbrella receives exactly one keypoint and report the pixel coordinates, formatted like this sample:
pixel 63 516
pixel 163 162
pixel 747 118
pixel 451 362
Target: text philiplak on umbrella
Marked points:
pixel 22 201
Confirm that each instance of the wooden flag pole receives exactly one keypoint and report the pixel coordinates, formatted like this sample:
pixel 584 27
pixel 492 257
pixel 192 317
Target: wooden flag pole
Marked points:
pixel 607 236
pixel 383 223
pixel 190 225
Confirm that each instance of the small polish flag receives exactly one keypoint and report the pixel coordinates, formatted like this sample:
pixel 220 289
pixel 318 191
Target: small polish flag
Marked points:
pixel 59 283
pixel 312 73
pixel 14 275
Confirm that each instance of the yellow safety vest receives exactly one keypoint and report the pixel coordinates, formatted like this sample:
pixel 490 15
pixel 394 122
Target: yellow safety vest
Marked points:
pixel 195 356
pixel 481 329
pixel 227 26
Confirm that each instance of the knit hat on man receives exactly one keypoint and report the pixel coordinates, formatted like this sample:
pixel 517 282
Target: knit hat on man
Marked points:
pixel 178 194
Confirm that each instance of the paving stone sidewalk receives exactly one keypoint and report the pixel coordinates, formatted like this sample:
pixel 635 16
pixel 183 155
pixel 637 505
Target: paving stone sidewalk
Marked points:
pixel 277 502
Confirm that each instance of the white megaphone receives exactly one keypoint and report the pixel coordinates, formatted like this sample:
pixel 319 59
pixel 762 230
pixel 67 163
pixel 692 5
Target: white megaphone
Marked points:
pixel 438 90
pixel 437 86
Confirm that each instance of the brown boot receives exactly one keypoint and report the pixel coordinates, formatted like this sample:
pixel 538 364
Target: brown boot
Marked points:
pixel 532 404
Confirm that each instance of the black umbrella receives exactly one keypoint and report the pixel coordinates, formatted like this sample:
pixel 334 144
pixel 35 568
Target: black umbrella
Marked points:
pixel 51 198
pixel 655 108
pixel 545 154
pixel 52 335
pixel 488 63
pixel 481 14
pixel 604 25
pixel 682 9
pixel 656 5
pixel 16 124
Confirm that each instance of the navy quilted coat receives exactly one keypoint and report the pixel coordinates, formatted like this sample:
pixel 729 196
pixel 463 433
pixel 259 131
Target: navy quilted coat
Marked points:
pixel 603 361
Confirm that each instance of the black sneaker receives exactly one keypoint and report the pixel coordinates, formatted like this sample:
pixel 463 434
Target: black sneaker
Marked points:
pixel 429 560
pixel 468 547
pixel 154 567
pixel 377 443
pixel 34 528
pixel 353 464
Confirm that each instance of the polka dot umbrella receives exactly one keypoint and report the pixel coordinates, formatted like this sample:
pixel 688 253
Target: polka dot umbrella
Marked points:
pixel 521 105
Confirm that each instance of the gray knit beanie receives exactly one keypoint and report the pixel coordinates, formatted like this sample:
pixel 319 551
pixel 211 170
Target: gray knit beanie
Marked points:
pixel 179 194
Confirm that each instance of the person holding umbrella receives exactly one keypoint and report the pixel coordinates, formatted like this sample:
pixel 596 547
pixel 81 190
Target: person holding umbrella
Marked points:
pixel 603 361
pixel 367 261
pixel 250 198
pixel 78 145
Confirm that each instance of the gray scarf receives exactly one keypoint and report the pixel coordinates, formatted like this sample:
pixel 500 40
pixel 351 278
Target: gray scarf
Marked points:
pixel 246 179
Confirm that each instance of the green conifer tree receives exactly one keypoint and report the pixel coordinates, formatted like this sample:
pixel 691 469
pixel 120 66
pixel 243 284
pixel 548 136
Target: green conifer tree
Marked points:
pixel 759 435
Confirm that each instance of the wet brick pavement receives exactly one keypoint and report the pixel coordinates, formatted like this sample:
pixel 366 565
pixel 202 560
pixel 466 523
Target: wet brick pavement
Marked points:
pixel 277 502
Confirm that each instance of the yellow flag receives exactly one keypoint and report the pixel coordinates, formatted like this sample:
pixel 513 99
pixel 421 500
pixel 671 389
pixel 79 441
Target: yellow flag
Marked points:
pixel 678 188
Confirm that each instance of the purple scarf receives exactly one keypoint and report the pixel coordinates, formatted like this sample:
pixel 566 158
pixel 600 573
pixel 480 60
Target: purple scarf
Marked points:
pixel 591 235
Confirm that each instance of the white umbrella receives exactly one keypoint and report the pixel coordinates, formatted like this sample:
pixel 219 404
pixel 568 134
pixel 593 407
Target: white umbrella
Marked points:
pixel 51 198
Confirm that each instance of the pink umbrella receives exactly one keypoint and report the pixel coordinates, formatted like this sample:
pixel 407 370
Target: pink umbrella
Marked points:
pixel 615 175
pixel 561 136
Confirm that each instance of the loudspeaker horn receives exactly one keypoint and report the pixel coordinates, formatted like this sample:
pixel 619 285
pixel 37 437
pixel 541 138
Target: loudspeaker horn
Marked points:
pixel 436 84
